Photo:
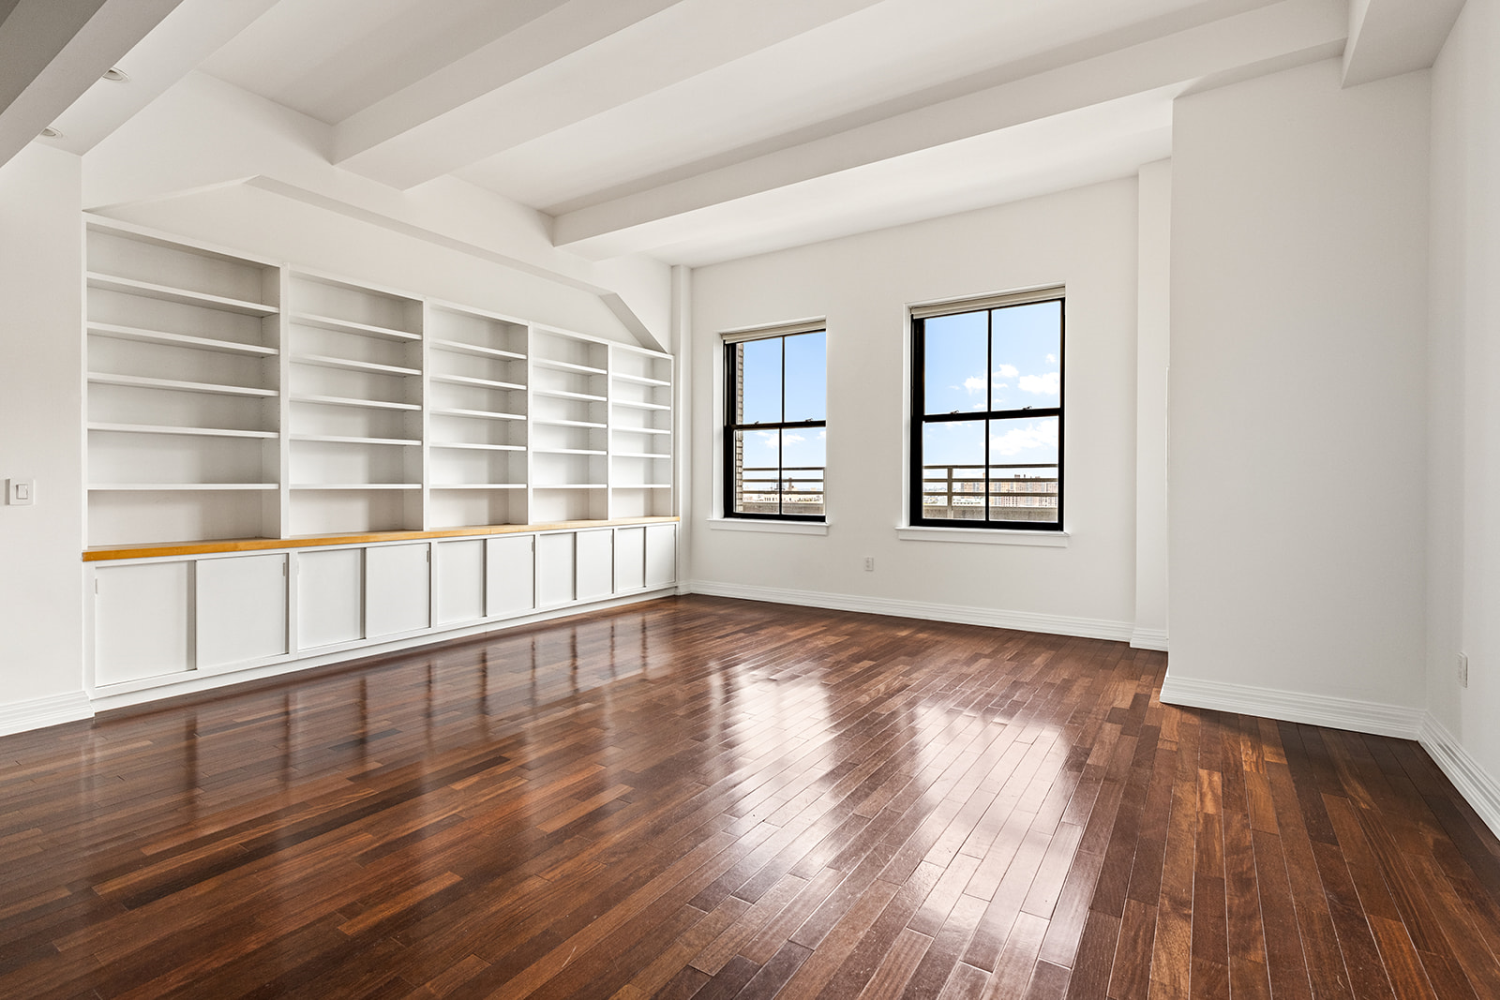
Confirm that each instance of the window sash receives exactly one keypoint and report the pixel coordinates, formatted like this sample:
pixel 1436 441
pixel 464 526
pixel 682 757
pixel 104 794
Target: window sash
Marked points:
pixel 733 468
pixel 918 472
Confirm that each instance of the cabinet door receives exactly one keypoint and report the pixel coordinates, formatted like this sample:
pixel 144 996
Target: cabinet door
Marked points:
pixel 661 555
pixel 510 574
pixel 142 624
pixel 397 589
pixel 595 565
pixel 241 609
pixel 458 581
pixel 330 597
pixel 554 569
pixel 630 559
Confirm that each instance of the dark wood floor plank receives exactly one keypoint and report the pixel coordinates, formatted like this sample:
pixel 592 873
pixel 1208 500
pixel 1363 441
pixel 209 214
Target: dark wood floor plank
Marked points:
pixel 712 798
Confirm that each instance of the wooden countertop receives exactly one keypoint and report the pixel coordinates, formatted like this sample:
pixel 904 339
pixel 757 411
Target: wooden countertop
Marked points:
pixel 101 553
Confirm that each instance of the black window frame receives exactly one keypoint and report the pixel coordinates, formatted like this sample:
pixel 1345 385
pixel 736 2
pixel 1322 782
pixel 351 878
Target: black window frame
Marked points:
pixel 920 419
pixel 731 407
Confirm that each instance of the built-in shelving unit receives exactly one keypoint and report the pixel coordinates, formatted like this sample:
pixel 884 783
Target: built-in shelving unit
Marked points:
pixel 183 383
pixel 640 418
pixel 232 397
pixel 570 432
pixel 478 418
pixel 356 464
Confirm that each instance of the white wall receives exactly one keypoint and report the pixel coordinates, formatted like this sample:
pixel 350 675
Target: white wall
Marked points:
pixel 1298 388
pixel 1085 238
pixel 1153 343
pixel 1464 437
pixel 41 437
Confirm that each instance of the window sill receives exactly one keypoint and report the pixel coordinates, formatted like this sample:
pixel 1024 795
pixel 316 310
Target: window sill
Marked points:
pixel 985 536
pixel 768 527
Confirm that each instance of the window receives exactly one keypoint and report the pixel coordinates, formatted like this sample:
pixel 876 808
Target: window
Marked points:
pixel 774 427
pixel 987 413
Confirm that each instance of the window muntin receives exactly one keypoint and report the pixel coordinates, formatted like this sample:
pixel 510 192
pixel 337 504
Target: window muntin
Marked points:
pixel 775 429
pixel 988 411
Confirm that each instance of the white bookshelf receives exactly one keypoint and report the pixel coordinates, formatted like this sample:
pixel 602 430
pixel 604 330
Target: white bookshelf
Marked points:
pixel 183 378
pixel 356 407
pixel 640 433
pixel 235 397
pixel 570 427
pixel 477 418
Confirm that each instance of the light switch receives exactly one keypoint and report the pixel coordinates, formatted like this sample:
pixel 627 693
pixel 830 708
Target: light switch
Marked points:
pixel 21 492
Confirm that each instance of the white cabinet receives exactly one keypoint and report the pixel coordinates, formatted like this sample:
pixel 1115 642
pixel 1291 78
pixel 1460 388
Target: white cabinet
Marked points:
pixel 458 581
pixel 397 589
pixel 162 620
pixel 554 569
pixel 510 575
pixel 242 604
pixel 630 559
pixel 330 597
pixel 661 555
pixel 143 621
pixel 594 570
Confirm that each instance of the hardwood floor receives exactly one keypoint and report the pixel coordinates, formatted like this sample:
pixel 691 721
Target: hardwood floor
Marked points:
pixel 711 798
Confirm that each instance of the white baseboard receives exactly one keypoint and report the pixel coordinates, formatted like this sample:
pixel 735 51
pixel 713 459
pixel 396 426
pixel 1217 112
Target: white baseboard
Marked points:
pixel 1024 621
pixel 1473 782
pixel 1149 638
pixel 42 712
pixel 1478 787
pixel 1373 717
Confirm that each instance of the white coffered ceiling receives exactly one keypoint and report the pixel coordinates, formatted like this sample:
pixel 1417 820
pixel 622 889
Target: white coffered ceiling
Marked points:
pixel 697 130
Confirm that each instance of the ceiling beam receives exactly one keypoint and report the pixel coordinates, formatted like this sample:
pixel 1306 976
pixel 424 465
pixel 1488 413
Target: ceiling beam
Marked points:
pixel 51 51
pixel 171 51
pixel 1299 29
pixel 1391 37
pixel 544 76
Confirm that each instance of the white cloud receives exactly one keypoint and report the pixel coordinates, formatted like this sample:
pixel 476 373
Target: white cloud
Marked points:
pixel 1042 434
pixel 1052 358
pixel 974 384
pixel 823 435
pixel 1007 371
pixel 768 438
pixel 1002 385
pixel 787 438
pixel 1043 385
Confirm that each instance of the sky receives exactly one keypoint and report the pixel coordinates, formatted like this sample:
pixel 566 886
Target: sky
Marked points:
pixel 806 367
pixel 1024 370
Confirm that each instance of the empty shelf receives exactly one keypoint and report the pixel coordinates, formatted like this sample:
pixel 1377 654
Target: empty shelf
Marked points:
pixel 170 429
pixel 143 382
pixel 349 326
pixel 170 293
pixel 459 347
pixel 373 404
pixel 117 332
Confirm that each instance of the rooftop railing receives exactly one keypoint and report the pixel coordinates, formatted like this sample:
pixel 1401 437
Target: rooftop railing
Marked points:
pixel 955 492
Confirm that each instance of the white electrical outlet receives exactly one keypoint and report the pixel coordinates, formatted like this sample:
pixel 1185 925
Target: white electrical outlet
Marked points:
pixel 869 564
pixel 20 492
pixel 1463 670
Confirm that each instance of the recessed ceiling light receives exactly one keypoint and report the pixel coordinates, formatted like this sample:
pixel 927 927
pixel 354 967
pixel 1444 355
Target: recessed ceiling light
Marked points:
pixel 51 133
pixel 116 74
